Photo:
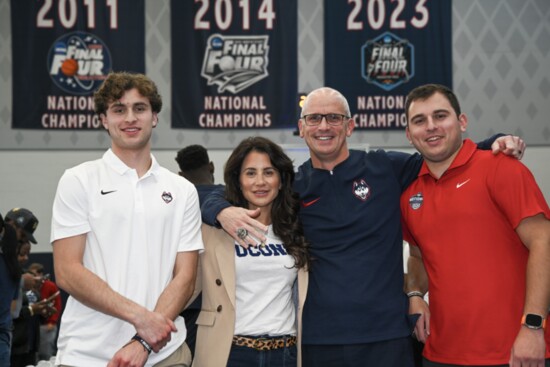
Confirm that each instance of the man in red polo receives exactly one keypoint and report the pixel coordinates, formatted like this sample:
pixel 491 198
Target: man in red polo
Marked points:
pixel 479 227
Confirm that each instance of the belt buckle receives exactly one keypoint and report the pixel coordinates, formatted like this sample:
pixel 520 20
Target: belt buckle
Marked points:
pixel 262 343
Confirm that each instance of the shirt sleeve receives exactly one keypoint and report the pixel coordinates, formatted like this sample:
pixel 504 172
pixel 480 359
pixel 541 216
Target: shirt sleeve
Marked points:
pixel 486 144
pixel 70 208
pixel 213 204
pixel 515 190
pixel 190 235
pixel 407 236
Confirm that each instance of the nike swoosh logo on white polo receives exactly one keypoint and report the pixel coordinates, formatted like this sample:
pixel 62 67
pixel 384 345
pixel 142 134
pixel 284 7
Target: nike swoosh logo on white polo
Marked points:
pixel 459 185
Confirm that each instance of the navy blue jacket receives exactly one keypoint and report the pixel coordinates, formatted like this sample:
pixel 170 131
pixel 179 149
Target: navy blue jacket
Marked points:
pixel 351 216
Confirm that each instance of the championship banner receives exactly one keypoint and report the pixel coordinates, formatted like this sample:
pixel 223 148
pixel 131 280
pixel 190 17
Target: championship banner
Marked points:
pixel 234 64
pixel 62 52
pixel 377 51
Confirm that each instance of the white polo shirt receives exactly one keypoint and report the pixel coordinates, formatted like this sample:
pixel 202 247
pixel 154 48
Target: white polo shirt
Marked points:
pixel 134 229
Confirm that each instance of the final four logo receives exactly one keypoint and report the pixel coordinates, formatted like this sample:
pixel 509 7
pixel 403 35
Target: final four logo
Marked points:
pixel 78 62
pixel 235 63
pixel 416 201
pixel 387 61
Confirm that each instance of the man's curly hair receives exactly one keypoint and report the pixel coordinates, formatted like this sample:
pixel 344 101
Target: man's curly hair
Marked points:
pixel 117 83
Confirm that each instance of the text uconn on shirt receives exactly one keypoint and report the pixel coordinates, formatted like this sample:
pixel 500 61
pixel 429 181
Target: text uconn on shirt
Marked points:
pixel 267 250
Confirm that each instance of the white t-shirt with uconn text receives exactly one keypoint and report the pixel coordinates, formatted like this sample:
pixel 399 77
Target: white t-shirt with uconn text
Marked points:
pixel 265 276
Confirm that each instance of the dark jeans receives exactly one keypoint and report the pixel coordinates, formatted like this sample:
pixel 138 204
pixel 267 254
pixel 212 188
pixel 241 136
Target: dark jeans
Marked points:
pixel 5 346
pixel 389 353
pixel 250 357
pixel 418 347
pixel 427 363
pixel 23 360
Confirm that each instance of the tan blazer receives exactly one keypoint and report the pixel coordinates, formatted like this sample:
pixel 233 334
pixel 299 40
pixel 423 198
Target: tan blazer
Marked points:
pixel 216 278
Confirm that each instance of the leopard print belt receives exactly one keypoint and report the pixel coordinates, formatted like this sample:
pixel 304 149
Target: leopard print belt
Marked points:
pixel 260 343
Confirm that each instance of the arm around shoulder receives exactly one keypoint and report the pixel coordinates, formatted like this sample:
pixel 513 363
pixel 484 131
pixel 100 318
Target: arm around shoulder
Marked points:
pixel 216 211
pixel 213 204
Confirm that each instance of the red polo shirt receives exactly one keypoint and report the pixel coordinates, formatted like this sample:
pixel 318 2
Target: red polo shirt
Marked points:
pixel 464 224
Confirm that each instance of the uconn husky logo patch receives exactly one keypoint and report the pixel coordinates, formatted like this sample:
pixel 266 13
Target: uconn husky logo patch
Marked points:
pixel 361 190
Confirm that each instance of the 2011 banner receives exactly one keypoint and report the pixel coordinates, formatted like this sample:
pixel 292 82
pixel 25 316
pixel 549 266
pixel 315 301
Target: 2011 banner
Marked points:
pixel 234 64
pixel 377 51
pixel 62 52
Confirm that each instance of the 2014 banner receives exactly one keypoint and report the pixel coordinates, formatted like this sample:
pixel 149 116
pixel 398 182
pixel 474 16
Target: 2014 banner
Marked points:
pixel 62 52
pixel 377 51
pixel 234 64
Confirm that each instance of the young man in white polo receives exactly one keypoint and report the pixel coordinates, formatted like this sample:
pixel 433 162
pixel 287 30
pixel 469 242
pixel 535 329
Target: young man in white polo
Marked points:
pixel 126 236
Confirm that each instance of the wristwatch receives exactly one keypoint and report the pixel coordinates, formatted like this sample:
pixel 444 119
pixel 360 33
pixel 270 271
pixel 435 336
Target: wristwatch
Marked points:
pixel 533 321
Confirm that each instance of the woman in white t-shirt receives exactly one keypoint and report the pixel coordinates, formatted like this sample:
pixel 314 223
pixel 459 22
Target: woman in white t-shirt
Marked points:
pixel 250 295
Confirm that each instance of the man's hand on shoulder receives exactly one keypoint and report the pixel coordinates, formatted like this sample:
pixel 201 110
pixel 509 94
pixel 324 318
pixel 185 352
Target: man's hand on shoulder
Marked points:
pixel 233 219
pixel 509 145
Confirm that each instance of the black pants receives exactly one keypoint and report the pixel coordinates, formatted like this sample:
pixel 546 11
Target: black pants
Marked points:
pixel 418 347
pixel 427 363
pixel 389 353
pixel 23 360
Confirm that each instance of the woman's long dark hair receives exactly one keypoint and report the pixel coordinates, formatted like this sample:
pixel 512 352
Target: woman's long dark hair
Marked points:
pixel 284 211
pixel 9 246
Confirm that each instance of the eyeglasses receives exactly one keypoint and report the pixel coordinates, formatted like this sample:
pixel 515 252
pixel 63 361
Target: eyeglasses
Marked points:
pixel 315 119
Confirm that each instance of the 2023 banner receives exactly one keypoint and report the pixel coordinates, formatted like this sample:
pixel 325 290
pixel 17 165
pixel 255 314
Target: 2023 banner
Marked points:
pixel 377 51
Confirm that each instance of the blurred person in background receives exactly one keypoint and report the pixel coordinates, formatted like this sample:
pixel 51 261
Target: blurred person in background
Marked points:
pixel 26 326
pixel 10 275
pixel 196 167
pixel 48 291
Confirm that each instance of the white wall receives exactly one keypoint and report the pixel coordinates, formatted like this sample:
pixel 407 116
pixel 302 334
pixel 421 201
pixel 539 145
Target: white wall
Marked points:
pixel 29 178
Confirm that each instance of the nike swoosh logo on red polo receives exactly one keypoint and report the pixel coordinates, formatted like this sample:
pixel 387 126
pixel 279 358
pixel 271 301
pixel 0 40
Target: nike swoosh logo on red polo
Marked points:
pixel 305 204
pixel 459 185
